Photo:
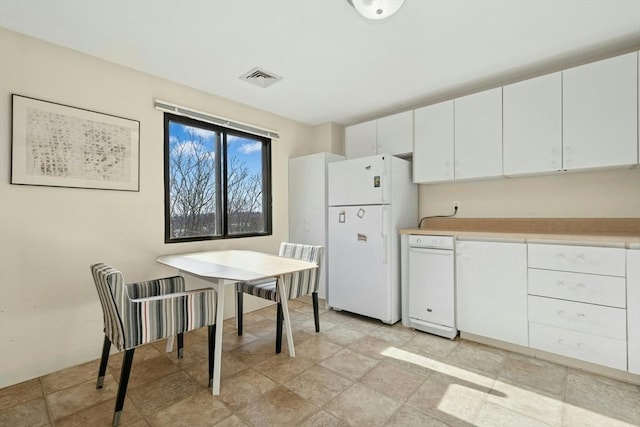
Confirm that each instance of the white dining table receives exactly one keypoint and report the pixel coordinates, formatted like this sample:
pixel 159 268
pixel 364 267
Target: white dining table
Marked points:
pixel 222 268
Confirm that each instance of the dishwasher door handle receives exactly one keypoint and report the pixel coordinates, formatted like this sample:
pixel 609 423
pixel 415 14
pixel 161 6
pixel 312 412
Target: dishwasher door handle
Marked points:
pixel 431 251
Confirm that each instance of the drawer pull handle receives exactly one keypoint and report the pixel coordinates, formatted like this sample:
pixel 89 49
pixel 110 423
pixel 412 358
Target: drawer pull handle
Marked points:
pixel 561 283
pixel 580 285
pixel 561 341
pixel 561 313
pixel 580 345
pixel 580 315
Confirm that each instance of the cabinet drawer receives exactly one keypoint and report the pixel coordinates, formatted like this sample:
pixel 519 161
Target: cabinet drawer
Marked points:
pixel 578 316
pixel 579 259
pixel 594 289
pixel 591 348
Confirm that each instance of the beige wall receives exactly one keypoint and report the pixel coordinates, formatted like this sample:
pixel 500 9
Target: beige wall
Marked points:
pixel 609 193
pixel 50 317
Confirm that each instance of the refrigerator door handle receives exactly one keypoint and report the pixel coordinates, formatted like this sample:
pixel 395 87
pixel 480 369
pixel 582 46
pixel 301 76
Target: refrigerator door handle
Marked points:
pixel 384 233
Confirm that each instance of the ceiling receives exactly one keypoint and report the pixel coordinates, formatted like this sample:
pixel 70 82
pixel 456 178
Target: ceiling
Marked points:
pixel 336 66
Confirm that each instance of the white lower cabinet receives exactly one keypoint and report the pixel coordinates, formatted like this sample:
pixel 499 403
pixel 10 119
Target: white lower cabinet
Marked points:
pixel 633 309
pixel 491 279
pixel 579 345
pixel 577 302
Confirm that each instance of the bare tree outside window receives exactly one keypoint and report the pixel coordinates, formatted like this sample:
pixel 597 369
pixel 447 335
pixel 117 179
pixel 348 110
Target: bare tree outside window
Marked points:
pixel 203 160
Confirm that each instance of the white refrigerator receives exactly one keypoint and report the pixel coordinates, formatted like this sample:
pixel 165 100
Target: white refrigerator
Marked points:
pixel 308 205
pixel 370 199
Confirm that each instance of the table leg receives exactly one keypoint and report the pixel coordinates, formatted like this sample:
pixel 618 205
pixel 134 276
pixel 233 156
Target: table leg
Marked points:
pixel 169 344
pixel 217 356
pixel 287 319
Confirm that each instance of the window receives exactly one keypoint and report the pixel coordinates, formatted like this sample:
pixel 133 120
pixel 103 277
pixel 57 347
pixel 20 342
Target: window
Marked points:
pixel 217 181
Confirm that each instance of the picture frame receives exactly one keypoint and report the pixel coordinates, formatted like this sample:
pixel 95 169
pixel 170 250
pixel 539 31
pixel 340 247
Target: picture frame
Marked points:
pixel 58 145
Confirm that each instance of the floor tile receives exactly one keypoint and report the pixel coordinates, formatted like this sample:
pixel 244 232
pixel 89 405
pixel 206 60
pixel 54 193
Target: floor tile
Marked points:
pixel 390 379
pixel 360 405
pixel 322 419
pixel 479 358
pixel 232 421
pixel 356 372
pixel 612 400
pixel 409 417
pixel 71 376
pixel 318 385
pixel 491 415
pixel 533 404
pixel 449 399
pixel 102 415
pixel 156 395
pixel 20 393
pixel 199 409
pixel 245 387
pixel 341 335
pixel 278 406
pixel 317 349
pixel 393 334
pixel 282 368
pixel 146 371
pixel 31 413
pixel 77 398
pixel 534 374
pixel 349 364
pixel 370 346
pixel 427 344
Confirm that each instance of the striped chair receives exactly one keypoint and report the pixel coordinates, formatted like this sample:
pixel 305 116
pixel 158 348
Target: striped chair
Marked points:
pixel 296 285
pixel 139 313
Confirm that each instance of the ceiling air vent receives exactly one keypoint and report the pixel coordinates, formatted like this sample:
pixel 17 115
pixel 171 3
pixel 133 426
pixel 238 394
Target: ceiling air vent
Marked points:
pixel 260 77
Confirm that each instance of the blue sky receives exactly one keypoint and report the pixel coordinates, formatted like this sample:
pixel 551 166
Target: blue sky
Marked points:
pixel 248 150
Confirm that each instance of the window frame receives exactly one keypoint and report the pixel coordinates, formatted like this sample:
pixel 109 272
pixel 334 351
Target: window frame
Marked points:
pixel 221 172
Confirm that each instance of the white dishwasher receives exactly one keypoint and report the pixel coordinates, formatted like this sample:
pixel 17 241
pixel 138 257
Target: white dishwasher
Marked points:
pixel 432 285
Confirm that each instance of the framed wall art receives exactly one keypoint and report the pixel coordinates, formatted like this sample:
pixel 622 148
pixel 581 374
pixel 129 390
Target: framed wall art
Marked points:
pixel 62 146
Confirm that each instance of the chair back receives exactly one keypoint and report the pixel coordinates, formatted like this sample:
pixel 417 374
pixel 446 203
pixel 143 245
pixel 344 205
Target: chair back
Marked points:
pixel 302 282
pixel 110 286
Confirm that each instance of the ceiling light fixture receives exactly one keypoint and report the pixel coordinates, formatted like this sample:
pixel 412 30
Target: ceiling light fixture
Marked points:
pixel 376 9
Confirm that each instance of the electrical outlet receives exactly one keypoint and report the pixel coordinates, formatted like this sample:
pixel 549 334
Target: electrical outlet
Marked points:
pixel 456 205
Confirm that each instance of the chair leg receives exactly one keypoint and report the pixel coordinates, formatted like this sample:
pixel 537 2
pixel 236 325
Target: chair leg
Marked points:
pixel 239 294
pixel 212 346
pixel 279 321
pixel 316 314
pixel 180 345
pixel 106 346
pixel 127 360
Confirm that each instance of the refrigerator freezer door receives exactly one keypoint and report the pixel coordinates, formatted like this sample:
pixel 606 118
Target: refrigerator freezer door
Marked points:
pixel 359 264
pixel 362 181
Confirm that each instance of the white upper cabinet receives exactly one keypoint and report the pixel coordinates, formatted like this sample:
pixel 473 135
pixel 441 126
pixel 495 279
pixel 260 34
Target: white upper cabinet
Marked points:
pixel 395 134
pixel 360 140
pixel 532 116
pixel 478 135
pixel 600 113
pixel 433 144
pixel 387 135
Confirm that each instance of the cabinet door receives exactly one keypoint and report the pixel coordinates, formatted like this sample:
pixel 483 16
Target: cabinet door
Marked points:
pixel 395 134
pixel 491 280
pixel 360 140
pixel 478 135
pixel 433 144
pixel 600 113
pixel 633 309
pixel 532 115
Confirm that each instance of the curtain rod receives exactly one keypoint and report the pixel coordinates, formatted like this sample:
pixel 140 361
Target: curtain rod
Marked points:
pixel 216 120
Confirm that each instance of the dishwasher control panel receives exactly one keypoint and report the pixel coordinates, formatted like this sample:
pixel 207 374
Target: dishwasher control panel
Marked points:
pixel 429 241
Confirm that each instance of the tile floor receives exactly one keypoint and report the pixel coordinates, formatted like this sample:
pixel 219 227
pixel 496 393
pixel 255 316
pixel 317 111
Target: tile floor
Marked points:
pixel 357 371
